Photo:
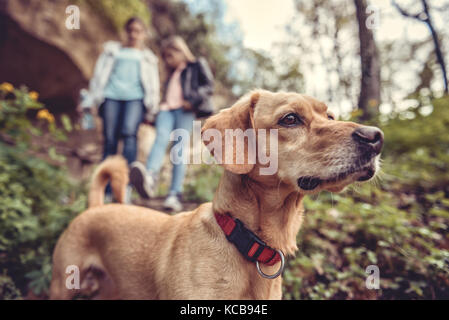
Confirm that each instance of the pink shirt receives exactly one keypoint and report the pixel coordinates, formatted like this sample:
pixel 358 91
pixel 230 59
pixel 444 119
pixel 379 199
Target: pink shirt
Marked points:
pixel 174 98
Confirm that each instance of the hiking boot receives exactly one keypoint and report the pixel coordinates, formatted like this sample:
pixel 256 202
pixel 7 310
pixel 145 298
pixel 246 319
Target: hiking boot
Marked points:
pixel 173 202
pixel 143 182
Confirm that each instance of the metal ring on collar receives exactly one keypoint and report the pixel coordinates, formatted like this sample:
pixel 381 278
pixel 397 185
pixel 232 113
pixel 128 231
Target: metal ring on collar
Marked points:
pixel 278 273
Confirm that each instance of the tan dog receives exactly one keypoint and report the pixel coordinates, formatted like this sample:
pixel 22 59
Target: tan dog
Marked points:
pixel 130 252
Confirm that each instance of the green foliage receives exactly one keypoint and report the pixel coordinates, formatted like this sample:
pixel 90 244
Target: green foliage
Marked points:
pixel 36 204
pixel 202 181
pixel 15 104
pixel 419 147
pixel 117 12
pixel 8 290
pixel 344 234
pixel 23 116
pixel 36 199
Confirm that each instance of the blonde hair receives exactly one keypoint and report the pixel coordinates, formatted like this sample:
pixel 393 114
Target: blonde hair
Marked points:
pixel 177 43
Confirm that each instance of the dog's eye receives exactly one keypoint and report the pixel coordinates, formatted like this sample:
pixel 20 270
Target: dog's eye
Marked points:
pixel 330 117
pixel 290 120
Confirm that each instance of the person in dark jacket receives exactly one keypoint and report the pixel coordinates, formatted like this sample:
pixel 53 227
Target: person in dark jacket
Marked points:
pixel 187 95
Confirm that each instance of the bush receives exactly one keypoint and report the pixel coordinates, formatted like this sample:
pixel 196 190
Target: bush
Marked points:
pixel 23 116
pixel 344 235
pixel 37 201
pixel 36 205
pixel 8 290
pixel 419 147
pixel 15 104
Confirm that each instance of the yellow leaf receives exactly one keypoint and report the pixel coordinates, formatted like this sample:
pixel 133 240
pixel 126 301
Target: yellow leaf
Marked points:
pixel 7 87
pixel 34 95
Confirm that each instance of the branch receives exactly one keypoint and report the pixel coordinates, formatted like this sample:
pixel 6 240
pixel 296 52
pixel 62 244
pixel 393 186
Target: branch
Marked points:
pixel 428 20
pixel 405 13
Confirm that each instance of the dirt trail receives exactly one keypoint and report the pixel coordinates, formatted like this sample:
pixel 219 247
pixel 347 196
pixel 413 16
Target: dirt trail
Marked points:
pixel 157 204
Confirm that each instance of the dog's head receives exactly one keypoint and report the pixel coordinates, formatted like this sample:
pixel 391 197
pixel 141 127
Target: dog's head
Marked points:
pixel 314 151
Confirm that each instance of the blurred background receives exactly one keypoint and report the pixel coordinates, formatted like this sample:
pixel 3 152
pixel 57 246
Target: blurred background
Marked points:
pixel 378 62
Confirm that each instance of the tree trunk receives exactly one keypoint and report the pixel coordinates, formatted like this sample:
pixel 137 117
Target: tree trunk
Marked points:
pixel 369 99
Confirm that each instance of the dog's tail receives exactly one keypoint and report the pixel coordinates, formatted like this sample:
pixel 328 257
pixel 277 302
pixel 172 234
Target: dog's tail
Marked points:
pixel 114 170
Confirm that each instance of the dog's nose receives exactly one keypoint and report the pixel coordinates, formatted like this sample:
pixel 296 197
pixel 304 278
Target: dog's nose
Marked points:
pixel 369 136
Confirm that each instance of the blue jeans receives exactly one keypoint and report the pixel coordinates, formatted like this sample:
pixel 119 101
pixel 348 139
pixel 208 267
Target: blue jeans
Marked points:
pixel 121 119
pixel 166 122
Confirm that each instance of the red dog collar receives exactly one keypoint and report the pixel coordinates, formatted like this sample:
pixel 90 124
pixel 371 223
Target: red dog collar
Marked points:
pixel 249 244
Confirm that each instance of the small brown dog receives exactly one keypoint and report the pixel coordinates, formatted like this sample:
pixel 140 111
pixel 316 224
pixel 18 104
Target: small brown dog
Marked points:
pixel 131 252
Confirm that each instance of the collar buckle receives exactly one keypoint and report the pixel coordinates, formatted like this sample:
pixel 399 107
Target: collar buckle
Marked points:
pixel 250 245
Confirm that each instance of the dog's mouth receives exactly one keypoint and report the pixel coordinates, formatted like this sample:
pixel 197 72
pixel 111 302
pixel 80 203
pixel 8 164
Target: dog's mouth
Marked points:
pixel 359 173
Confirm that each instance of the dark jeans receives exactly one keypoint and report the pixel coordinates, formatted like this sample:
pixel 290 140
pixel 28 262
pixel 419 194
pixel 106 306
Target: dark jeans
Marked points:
pixel 121 119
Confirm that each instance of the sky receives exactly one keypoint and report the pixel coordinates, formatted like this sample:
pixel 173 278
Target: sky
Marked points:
pixel 263 21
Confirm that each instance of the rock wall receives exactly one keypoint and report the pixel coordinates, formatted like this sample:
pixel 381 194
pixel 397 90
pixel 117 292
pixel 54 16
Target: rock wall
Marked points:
pixel 36 49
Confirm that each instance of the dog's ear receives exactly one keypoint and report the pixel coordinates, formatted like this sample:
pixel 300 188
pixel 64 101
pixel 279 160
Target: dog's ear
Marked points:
pixel 228 152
